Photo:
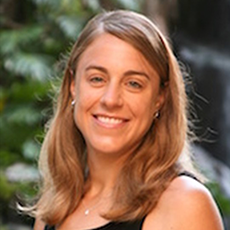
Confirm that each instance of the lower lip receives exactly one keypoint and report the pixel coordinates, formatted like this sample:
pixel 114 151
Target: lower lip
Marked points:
pixel 108 125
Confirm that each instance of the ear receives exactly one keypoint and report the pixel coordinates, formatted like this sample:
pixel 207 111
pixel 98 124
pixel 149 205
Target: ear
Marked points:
pixel 160 100
pixel 72 88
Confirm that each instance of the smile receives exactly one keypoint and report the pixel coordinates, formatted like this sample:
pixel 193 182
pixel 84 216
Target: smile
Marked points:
pixel 109 120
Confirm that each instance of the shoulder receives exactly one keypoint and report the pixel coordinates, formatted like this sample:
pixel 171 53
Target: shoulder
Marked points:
pixel 186 204
pixel 39 225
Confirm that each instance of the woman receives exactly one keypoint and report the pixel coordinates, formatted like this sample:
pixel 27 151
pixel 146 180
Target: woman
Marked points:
pixel 117 147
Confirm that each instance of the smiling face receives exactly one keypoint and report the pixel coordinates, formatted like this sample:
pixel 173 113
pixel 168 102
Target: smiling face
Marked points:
pixel 117 93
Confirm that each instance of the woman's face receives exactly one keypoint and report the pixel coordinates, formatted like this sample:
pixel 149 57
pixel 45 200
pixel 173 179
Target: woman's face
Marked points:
pixel 117 94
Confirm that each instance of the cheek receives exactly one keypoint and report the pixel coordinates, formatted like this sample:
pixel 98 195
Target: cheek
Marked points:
pixel 146 115
pixel 80 102
pixel 145 105
pixel 142 109
pixel 83 104
pixel 81 95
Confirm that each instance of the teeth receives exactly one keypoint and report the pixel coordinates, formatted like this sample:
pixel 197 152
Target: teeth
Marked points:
pixel 109 120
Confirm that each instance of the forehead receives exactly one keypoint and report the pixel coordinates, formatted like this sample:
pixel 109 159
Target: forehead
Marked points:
pixel 109 50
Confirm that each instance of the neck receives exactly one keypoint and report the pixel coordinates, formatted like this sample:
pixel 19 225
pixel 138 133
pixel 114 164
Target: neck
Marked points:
pixel 103 173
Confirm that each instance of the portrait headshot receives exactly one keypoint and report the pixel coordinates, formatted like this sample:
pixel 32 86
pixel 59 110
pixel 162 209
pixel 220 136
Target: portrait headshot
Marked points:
pixel 114 115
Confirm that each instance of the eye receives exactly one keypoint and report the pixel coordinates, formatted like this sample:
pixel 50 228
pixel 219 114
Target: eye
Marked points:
pixel 134 84
pixel 96 80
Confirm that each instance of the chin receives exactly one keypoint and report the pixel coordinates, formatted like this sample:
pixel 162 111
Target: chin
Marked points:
pixel 108 150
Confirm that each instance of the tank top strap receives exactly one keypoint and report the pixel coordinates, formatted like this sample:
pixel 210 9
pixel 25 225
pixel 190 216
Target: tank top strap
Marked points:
pixel 186 173
pixel 49 228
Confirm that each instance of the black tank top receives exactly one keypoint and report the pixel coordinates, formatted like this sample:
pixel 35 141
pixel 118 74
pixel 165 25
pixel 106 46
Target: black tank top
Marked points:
pixel 135 225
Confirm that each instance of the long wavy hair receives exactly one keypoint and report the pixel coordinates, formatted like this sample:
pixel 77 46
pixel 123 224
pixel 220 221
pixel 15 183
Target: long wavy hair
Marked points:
pixel 162 154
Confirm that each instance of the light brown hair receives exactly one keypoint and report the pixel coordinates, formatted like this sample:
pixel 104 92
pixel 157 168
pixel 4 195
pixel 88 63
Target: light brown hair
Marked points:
pixel 156 161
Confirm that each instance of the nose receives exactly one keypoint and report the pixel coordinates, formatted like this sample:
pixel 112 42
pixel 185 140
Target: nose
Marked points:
pixel 112 96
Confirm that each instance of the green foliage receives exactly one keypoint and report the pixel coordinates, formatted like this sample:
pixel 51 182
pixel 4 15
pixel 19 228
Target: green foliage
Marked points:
pixel 6 189
pixel 131 4
pixel 8 158
pixel 222 201
pixel 26 64
pixel 3 227
pixel 15 40
pixel 28 54
pixel 12 191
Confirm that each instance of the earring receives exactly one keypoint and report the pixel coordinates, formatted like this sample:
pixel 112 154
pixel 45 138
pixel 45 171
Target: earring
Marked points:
pixel 157 114
pixel 73 103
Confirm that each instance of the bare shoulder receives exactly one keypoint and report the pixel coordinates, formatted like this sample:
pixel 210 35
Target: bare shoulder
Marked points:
pixel 39 225
pixel 186 204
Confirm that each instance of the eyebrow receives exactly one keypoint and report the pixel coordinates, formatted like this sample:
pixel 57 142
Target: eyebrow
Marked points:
pixel 100 68
pixel 133 72
pixel 128 73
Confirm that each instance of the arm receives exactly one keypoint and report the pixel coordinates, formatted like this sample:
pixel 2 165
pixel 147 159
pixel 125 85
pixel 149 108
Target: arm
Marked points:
pixel 186 204
pixel 39 225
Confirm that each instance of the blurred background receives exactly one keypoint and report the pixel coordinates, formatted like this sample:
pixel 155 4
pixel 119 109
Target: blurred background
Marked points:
pixel 35 37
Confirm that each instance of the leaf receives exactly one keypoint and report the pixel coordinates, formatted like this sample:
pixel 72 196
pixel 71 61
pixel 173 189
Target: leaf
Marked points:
pixel 37 66
pixel 131 4
pixel 8 158
pixel 3 95
pixel 29 91
pixel 93 5
pixel 13 39
pixel 54 4
pixel 70 25
pixel 14 134
pixel 22 114
pixel 6 189
pixel 31 150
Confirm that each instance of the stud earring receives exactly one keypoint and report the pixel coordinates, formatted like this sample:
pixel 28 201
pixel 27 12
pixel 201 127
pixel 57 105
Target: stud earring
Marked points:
pixel 73 103
pixel 157 114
